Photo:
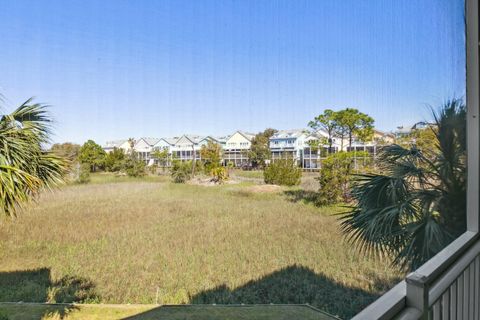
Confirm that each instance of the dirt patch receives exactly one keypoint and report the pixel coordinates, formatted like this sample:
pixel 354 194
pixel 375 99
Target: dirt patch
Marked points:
pixel 208 182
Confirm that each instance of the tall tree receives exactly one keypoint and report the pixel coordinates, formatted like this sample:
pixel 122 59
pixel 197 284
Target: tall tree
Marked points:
pixel 25 167
pixel 418 204
pixel 66 150
pixel 351 122
pixel 211 154
pixel 326 121
pixel 260 148
pixel 92 154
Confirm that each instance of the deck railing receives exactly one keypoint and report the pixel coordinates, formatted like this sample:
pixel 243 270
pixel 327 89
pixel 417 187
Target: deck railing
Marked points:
pixel 446 287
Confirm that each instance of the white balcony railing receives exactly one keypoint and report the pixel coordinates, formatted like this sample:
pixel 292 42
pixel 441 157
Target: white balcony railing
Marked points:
pixel 446 287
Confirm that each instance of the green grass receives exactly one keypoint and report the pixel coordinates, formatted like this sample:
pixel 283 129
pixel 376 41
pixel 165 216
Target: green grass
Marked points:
pixel 253 174
pixel 126 240
pixel 154 312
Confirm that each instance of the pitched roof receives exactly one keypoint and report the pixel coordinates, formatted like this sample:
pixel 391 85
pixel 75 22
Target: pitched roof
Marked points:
pixel 114 144
pixel 285 134
pixel 248 135
pixel 171 141
pixel 150 141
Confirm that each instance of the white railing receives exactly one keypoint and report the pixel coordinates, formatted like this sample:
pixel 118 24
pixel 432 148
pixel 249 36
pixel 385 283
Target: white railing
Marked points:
pixel 446 287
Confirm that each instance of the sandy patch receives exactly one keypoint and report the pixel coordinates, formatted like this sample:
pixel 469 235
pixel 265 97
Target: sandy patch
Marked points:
pixel 265 188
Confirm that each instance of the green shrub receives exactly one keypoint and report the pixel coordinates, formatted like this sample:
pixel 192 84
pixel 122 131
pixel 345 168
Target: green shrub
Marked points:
pixel 283 172
pixel 335 175
pixel 153 168
pixel 219 174
pixel 114 160
pixel 84 175
pixel 181 172
pixel 134 167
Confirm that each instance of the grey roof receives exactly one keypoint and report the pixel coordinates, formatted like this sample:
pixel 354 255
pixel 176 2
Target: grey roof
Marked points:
pixel 285 134
pixel 115 143
pixel 221 139
pixel 247 135
pixel 149 141
pixel 171 141
pixel 195 138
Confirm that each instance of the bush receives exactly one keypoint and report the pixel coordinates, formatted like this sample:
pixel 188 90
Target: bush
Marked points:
pixel 134 167
pixel 114 161
pixel 219 174
pixel 153 169
pixel 80 173
pixel 335 176
pixel 283 172
pixel 181 172
pixel 84 175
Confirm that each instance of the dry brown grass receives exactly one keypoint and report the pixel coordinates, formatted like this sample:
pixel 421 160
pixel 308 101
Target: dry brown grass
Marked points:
pixel 133 237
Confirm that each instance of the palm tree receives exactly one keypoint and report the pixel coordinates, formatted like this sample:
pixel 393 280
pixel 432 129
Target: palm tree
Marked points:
pixel 25 167
pixel 417 205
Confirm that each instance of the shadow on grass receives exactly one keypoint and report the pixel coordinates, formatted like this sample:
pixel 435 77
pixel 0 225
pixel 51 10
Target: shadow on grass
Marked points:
pixel 38 286
pixel 291 285
pixel 300 195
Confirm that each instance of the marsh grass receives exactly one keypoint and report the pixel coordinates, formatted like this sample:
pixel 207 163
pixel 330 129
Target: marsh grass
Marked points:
pixel 151 241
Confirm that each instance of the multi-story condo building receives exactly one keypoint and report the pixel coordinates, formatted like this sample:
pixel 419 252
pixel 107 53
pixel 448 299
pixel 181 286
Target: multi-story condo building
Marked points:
pixel 124 144
pixel 306 148
pixel 165 144
pixel 144 147
pixel 236 148
pixel 188 147
pixel 374 145
pixel 288 144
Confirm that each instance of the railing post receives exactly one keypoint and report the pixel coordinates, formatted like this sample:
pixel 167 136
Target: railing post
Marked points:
pixel 417 293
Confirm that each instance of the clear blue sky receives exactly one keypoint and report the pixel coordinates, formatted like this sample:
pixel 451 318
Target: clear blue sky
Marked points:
pixel 119 69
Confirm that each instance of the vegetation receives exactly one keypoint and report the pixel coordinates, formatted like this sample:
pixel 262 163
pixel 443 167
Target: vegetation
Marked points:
pixel 260 148
pixel 283 172
pixel 25 167
pixel 133 166
pixel 181 171
pixel 82 173
pixel 417 205
pixel 211 155
pixel 219 174
pixel 351 122
pixel 66 150
pixel 162 157
pixel 154 312
pixel 115 160
pixel 92 154
pixel 138 237
pixel 327 122
pixel 335 176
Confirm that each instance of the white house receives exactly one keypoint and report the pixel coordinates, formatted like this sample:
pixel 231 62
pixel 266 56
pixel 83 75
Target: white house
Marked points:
pixel 188 147
pixel 165 144
pixel 372 146
pixel 144 147
pixel 119 144
pixel 288 144
pixel 236 148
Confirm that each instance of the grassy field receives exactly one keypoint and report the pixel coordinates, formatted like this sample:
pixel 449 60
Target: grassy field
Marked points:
pixel 154 312
pixel 123 240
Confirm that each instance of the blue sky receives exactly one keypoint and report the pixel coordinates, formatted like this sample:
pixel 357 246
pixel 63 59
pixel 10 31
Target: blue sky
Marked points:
pixel 119 69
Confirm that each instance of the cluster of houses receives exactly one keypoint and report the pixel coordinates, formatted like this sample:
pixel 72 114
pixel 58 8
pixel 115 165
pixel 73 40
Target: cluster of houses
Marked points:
pixel 304 146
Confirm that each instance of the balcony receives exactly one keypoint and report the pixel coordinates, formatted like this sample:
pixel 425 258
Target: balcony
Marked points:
pixel 448 285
